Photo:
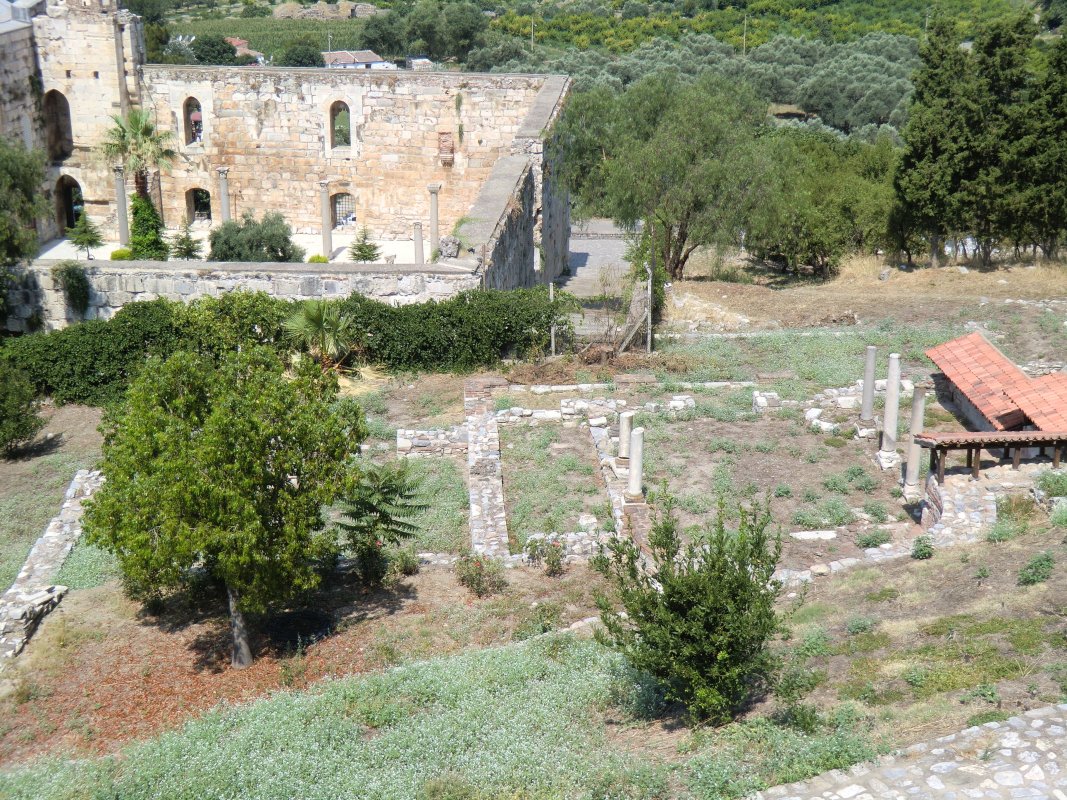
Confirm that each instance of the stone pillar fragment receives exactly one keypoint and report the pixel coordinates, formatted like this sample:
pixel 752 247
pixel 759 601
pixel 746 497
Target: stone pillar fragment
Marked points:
pixel 224 192
pixel 419 257
pixel 120 205
pixel 326 219
pixel 635 486
pixel 887 454
pixel 918 413
pixel 867 409
pixel 435 233
pixel 626 426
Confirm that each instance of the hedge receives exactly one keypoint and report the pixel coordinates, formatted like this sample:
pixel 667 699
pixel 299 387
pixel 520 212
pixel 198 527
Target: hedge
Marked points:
pixel 92 362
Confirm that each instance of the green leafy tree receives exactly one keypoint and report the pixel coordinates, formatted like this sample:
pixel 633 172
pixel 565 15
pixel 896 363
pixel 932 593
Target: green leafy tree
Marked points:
pixel 698 615
pixel 324 329
pixel 684 159
pixel 19 418
pixel 301 54
pixel 379 513
pixel 73 280
pixel 238 462
pixel 134 142
pixel 213 50
pixel 184 246
pixel 363 249
pixel 21 204
pixel 146 231
pixel 269 239
pixel 85 235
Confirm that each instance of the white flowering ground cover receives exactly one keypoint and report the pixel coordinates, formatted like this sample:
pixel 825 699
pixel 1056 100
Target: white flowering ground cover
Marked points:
pixel 523 721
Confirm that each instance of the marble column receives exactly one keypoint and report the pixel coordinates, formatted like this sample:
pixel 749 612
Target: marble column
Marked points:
pixel 626 426
pixel 419 257
pixel 892 408
pixel 435 233
pixel 867 409
pixel 120 205
pixel 635 486
pixel 918 413
pixel 326 219
pixel 224 192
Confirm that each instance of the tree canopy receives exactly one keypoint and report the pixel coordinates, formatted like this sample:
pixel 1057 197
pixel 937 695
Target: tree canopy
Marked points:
pixel 238 462
pixel 268 239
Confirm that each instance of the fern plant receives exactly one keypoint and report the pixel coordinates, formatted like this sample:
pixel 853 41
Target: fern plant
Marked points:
pixel 380 512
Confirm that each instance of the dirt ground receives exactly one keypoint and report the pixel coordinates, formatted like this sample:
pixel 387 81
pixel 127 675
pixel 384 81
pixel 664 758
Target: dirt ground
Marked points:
pixel 100 672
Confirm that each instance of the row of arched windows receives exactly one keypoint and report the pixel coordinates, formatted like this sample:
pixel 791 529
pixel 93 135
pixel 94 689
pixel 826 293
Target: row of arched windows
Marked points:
pixel 340 123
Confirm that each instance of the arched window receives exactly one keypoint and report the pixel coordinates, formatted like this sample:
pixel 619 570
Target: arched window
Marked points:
pixel 340 125
pixel 69 203
pixel 60 137
pixel 344 210
pixel 194 121
pixel 198 205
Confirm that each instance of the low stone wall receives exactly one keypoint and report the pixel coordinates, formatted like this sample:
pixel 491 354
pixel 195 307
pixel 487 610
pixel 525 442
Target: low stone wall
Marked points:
pixel 435 442
pixel 36 300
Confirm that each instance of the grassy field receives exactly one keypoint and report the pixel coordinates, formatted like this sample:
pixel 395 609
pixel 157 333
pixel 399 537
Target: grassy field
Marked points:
pixel 272 36
pixel 32 485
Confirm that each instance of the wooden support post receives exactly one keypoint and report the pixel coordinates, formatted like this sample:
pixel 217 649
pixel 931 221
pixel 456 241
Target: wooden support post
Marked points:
pixel 941 465
pixel 976 467
pixel 970 457
pixel 933 460
pixel 1056 455
pixel 1016 456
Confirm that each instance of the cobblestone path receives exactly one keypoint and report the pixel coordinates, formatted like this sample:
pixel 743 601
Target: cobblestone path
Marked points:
pixel 488 521
pixel 1023 757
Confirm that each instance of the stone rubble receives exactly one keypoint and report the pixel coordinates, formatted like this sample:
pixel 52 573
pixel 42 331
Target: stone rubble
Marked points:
pixel 1022 757
pixel 434 442
pixel 33 594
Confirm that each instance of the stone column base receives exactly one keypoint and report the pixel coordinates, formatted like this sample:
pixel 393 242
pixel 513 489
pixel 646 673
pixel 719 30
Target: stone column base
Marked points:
pixel 887 460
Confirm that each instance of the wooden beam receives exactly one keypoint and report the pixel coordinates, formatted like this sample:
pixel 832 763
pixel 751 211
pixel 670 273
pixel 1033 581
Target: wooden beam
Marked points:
pixel 976 467
pixel 1016 456
pixel 941 465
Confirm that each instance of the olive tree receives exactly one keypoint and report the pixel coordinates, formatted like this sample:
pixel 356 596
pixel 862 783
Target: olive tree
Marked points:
pixel 225 467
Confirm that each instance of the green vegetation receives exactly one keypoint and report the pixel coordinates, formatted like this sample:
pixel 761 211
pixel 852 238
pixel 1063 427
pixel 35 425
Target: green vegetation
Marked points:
pixel 134 142
pixel 269 239
pixel 699 616
pixel 146 231
pixel 183 245
pixel 85 234
pixel 21 175
pixel 239 463
pixel 482 574
pixel 363 249
pixel 73 280
pixel 874 538
pixel 19 407
pixel 922 548
pixel 1037 570
pixel 301 54
pixel 1054 484
pixel 88 566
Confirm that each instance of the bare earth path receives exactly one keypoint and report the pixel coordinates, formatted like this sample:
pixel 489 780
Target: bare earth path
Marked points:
pixel 1021 757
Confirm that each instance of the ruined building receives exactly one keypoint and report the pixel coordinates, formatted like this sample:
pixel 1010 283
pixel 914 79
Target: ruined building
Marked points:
pixel 325 148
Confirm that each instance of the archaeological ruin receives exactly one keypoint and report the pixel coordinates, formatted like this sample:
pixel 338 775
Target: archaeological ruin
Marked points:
pixel 416 156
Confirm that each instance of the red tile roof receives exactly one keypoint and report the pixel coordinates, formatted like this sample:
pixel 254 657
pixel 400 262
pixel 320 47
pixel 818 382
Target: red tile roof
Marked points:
pixel 985 376
pixel 1044 401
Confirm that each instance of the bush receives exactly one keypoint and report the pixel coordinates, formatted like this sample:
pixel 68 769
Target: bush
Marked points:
pixel 1059 516
pixel 876 511
pixel 875 538
pixel 19 420
pixel 146 231
pixel 317 259
pixel 547 551
pixel 922 548
pixel 857 625
pixel 1037 570
pixel 481 574
pixel 1005 530
pixel 698 616
pixel 73 280
pixel 122 254
pixel 1054 484
pixel 269 239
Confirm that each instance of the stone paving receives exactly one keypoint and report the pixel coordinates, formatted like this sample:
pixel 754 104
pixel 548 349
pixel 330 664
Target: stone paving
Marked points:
pixel 33 594
pixel 488 520
pixel 1023 757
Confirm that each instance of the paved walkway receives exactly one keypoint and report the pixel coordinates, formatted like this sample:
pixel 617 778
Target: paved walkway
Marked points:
pixel 1022 757
pixel 488 520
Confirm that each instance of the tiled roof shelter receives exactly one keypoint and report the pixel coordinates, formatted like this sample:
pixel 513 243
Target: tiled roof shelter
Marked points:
pixel 1005 396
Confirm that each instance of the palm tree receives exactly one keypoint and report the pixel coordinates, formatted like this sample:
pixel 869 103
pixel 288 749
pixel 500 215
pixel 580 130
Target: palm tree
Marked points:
pixel 324 329
pixel 135 142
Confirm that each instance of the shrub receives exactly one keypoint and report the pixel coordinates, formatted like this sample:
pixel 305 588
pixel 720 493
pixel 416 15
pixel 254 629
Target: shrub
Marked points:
pixel 364 250
pixel 122 254
pixel 837 483
pixel 481 574
pixel 698 615
pixel 876 511
pixel 547 551
pixel 865 483
pixel 318 259
pixel 545 618
pixel 73 280
pixel 1004 530
pixel 269 239
pixel 857 625
pixel 1059 516
pixel 403 563
pixel 19 420
pixel 85 235
pixel 184 246
pixel 922 548
pixel 1053 484
pixel 875 538
pixel 146 231
pixel 1037 570
pixel 783 490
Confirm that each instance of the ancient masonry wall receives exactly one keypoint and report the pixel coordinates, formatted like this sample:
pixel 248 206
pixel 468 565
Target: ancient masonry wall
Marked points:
pixel 38 302
pixel 20 88
pixel 272 128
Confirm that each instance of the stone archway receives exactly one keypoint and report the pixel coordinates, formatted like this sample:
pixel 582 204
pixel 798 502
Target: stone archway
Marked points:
pixel 198 205
pixel 59 136
pixel 69 202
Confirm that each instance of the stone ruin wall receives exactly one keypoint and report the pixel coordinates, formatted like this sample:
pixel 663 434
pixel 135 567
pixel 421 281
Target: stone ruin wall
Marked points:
pixel 271 128
pixel 37 301
pixel 19 87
